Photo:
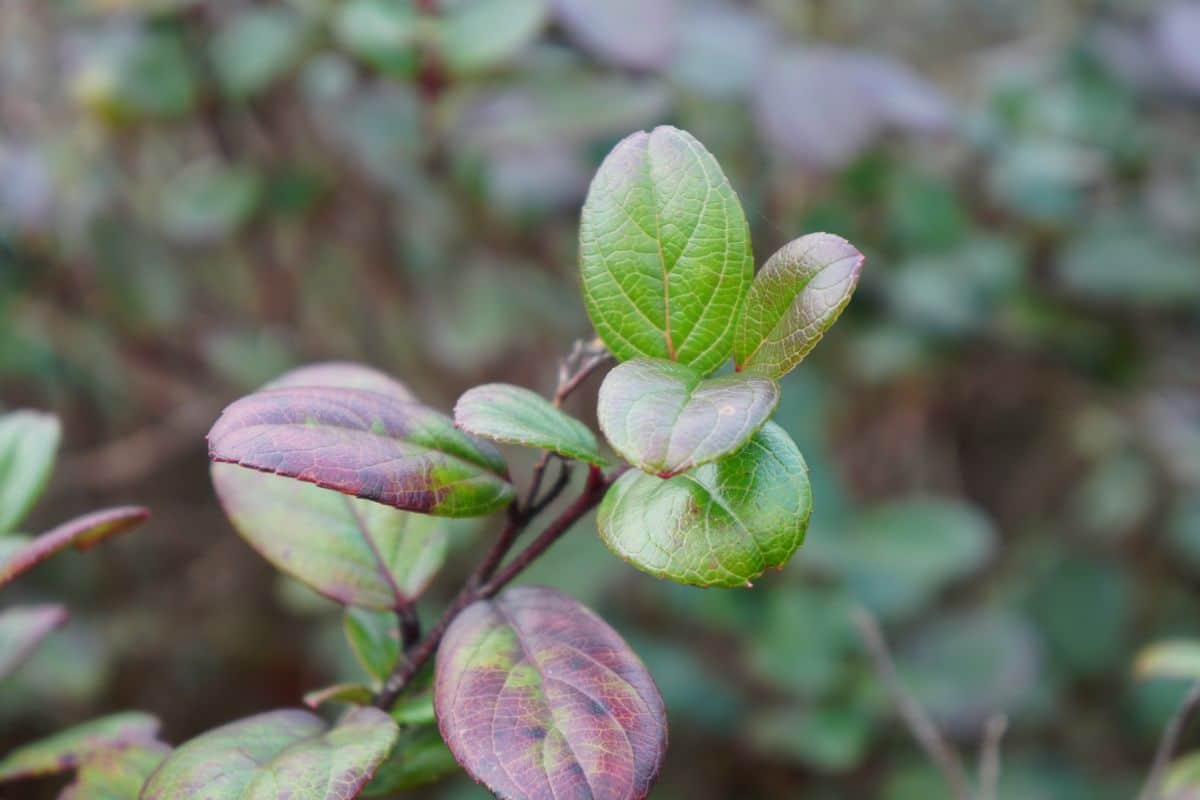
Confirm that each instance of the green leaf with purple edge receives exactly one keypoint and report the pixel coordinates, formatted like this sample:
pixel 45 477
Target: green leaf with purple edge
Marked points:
pixel 366 444
pixel 539 698
pixel 19 554
pixel 795 298
pixel 515 415
pixel 116 774
pixel 28 445
pixel 69 749
pixel 375 639
pixel 22 629
pixel 664 251
pixel 721 524
pixel 666 418
pixel 278 755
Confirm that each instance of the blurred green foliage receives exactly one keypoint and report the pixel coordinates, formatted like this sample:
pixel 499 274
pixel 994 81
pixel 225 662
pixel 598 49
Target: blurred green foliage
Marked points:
pixel 1003 433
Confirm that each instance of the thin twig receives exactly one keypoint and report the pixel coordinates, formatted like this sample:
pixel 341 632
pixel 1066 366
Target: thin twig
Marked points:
pixel 410 625
pixel 1170 742
pixel 923 729
pixel 556 488
pixel 989 756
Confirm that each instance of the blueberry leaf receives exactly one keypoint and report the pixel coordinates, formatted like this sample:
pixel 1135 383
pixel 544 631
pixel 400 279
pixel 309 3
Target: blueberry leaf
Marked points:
pixel 721 524
pixel 665 418
pixel 538 698
pixel 664 251
pixel 515 415
pixel 28 445
pixel 22 629
pixel 795 298
pixel 19 554
pixel 73 747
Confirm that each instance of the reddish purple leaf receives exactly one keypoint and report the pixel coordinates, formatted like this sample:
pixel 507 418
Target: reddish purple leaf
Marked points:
pixel 345 374
pixel 366 444
pixel 21 555
pixel 538 698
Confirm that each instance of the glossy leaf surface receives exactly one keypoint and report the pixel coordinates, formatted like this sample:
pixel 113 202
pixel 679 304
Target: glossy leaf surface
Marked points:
pixel 515 415
pixel 539 698
pixel 28 444
pixel 22 629
pixel 18 554
pixel 664 251
pixel 72 747
pixel 795 298
pixel 276 756
pixel 721 524
pixel 366 444
pixel 665 418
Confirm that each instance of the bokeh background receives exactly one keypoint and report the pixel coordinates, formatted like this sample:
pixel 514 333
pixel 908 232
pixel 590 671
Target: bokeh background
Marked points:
pixel 1003 431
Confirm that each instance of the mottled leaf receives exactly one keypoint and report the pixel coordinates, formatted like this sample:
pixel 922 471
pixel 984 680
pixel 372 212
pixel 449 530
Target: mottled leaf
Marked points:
pixel 70 748
pixel 375 639
pixel 22 629
pixel 420 757
pixel 116 774
pixel 721 524
pixel 18 554
pixel 794 299
pixel 538 698
pixel 362 443
pixel 627 33
pixel 665 418
pixel 664 251
pixel 515 415
pixel 28 445
pixel 1170 659
pixel 475 35
pixel 276 756
pixel 355 694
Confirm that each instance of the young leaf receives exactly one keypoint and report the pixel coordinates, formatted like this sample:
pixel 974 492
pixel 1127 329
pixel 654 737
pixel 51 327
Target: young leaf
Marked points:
pixel 796 297
pixel 353 551
pixel 721 524
pixel 28 444
pixel 539 698
pixel 22 629
pixel 18 554
pixel 512 414
pixel 664 251
pixel 276 755
pixel 665 418
pixel 116 774
pixel 72 747
pixel 375 640
pixel 363 443
pixel 1169 659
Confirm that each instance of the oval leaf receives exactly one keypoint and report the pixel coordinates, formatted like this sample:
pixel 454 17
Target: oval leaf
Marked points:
pixel 721 524
pixel 22 629
pixel 664 418
pixel 797 296
pixel 476 35
pixel 28 444
pixel 1170 659
pixel 366 444
pixel 664 251
pixel 72 747
pixel 344 374
pixel 278 755
pixel 515 415
pixel 538 698
pixel 21 555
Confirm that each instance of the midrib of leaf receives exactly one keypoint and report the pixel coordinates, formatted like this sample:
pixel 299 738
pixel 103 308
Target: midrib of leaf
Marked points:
pixel 398 597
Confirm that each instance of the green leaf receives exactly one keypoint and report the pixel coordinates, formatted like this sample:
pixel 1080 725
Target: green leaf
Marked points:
pixel 1182 781
pixel 116 774
pixel 355 694
pixel 538 697
pixel 515 415
pixel 375 639
pixel 475 35
pixel 72 747
pixel 1170 659
pixel 28 445
pixel 797 296
pixel 149 77
pixel 383 33
pixel 208 201
pixel 665 418
pixel 721 524
pixel 420 757
pixel 22 629
pixel 255 48
pixel 19 554
pixel 278 754
pixel 664 251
